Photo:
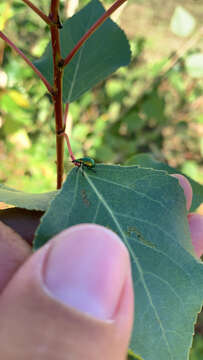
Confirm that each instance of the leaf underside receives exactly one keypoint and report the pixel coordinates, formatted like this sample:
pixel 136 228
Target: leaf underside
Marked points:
pixel 146 208
pixel 26 200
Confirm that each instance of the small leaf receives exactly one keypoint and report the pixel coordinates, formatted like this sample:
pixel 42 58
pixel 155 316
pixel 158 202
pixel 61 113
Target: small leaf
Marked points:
pixel 103 53
pixel 149 161
pixel 146 208
pixel 20 139
pixel 182 22
pixel 6 12
pixel 194 65
pixel 26 200
pixel 20 99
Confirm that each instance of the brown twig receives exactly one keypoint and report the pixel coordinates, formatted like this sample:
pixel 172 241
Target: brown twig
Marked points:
pixel 182 50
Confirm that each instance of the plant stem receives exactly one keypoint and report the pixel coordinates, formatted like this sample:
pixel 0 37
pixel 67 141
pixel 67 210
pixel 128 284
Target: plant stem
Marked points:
pixel 38 12
pixel 11 44
pixel 93 28
pixel 69 146
pixel 57 95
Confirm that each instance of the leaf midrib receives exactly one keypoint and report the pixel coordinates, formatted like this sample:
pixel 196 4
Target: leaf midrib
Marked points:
pixel 137 263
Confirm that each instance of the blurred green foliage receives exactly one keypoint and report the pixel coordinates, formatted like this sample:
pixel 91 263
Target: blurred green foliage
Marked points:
pixel 155 105
pixel 197 348
pixel 142 108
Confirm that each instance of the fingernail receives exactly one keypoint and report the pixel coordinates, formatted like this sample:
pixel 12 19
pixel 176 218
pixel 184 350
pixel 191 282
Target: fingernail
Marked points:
pixel 86 269
pixel 187 188
pixel 196 230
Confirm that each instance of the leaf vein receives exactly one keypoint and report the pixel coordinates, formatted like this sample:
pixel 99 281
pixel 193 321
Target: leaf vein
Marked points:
pixel 136 262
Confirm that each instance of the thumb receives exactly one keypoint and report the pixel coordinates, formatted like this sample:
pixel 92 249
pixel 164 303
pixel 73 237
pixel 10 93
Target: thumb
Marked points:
pixel 73 296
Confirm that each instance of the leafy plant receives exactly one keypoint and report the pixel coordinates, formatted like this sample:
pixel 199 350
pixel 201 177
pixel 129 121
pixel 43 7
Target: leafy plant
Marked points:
pixel 141 202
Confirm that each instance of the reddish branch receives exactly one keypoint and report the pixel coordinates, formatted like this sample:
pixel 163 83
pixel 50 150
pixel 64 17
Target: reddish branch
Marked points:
pixel 57 95
pixel 93 28
pixel 38 11
pixel 56 91
pixel 69 146
pixel 14 47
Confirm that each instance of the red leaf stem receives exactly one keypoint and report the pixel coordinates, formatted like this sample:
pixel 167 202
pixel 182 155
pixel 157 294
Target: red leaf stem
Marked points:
pixel 25 58
pixel 38 12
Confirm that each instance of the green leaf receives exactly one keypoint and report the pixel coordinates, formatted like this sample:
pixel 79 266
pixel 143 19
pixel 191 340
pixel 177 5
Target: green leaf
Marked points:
pixel 154 107
pixel 182 22
pixel 146 208
pixel 149 161
pixel 26 200
pixel 194 65
pixel 103 53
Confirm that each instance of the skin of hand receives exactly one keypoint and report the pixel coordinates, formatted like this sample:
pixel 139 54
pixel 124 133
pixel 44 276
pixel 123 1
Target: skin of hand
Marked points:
pixel 59 303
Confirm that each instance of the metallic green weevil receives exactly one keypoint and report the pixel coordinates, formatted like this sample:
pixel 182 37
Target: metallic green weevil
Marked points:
pixel 87 162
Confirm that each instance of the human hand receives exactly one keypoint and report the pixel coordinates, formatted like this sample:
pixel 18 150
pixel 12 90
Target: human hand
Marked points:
pixel 73 298
pixel 195 220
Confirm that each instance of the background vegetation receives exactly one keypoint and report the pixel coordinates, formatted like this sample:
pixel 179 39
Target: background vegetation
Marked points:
pixel 155 105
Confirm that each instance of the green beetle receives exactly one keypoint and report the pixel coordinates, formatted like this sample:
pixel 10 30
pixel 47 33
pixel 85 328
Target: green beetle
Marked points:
pixel 87 162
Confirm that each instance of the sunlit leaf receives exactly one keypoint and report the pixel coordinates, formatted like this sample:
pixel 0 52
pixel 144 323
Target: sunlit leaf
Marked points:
pixel 6 13
pixel 20 99
pixel 20 139
pixel 194 65
pixel 182 22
